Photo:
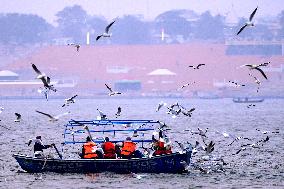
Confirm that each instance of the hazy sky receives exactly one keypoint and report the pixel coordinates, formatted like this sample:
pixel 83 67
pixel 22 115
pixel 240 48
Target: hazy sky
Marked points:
pixel 148 8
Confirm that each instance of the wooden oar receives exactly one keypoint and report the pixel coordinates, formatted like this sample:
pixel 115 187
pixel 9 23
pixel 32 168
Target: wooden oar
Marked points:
pixel 60 155
pixel 88 131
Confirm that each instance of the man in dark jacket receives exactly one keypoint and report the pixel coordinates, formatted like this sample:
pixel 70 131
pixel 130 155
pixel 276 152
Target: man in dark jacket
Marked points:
pixel 38 147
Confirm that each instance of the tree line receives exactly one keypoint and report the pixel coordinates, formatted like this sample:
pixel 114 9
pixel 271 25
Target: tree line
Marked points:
pixel 178 25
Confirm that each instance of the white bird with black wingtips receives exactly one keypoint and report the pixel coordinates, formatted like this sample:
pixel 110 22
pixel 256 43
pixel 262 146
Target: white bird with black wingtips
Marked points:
pixel 53 118
pixel 111 92
pixel 249 23
pixel 69 101
pixel 257 67
pixel 106 33
pixel 160 105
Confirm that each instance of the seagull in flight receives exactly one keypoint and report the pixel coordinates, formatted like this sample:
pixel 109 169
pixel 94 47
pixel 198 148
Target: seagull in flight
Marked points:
pixel 45 79
pixel 160 105
pixel 75 45
pixel 69 101
pixel 185 85
pixel 1 109
pixel 53 118
pixel 18 117
pixel 197 67
pixel 251 105
pixel 106 33
pixel 249 23
pixel 111 91
pixel 188 112
pixel 257 67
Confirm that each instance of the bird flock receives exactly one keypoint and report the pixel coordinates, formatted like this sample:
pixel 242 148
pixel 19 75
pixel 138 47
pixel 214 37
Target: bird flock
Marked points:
pixel 174 110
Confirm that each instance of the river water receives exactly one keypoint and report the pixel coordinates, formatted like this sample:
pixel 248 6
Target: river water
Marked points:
pixel 261 167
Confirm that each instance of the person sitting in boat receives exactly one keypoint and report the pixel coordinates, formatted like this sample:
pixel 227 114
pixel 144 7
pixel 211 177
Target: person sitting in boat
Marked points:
pixel 128 150
pixel 38 147
pixel 109 149
pixel 90 150
pixel 160 146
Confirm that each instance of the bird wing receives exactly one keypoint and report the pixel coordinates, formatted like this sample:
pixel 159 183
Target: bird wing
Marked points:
pixel 98 37
pixel 242 28
pixel 108 88
pixel 43 79
pixel 45 114
pixel 108 26
pixel 36 70
pixel 48 80
pixel 101 113
pixel 199 65
pixel 252 14
pixel 260 70
pixel 73 97
pixel 18 115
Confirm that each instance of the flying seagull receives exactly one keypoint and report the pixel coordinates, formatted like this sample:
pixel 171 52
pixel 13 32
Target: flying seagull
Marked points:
pixel 75 45
pixel 106 34
pixel 249 23
pixel 69 101
pixel 160 105
pixel 256 67
pixel 197 67
pixel 1 109
pixel 185 85
pixel 45 79
pixel 111 91
pixel 18 117
pixel 53 118
pixel 188 112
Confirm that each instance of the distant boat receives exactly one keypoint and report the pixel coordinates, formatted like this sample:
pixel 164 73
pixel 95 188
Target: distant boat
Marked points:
pixel 247 100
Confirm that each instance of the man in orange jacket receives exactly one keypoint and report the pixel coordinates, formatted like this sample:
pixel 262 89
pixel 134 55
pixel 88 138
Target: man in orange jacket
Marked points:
pixel 128 150
pixel 89 150
pixel 109 149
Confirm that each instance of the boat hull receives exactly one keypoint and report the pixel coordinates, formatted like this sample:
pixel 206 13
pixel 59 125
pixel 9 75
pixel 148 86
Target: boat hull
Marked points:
pixel 247 100
pixel 170 163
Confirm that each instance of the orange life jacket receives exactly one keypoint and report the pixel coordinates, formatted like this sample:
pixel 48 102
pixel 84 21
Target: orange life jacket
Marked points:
pixel 109 150
pixel 128 148
pixel 89 150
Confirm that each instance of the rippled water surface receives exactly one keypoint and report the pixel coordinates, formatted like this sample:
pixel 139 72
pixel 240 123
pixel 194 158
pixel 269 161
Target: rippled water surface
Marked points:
pixel 252 168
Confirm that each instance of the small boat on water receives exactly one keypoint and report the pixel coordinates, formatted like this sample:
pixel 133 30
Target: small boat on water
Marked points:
pixel 247 100
pixel 167 163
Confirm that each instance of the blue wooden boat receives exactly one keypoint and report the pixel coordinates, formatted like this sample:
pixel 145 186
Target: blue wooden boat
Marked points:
pixel 168 163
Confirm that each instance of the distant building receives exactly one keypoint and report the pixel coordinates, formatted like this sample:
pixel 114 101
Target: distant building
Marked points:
pixel 8 75
pixel 127 85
